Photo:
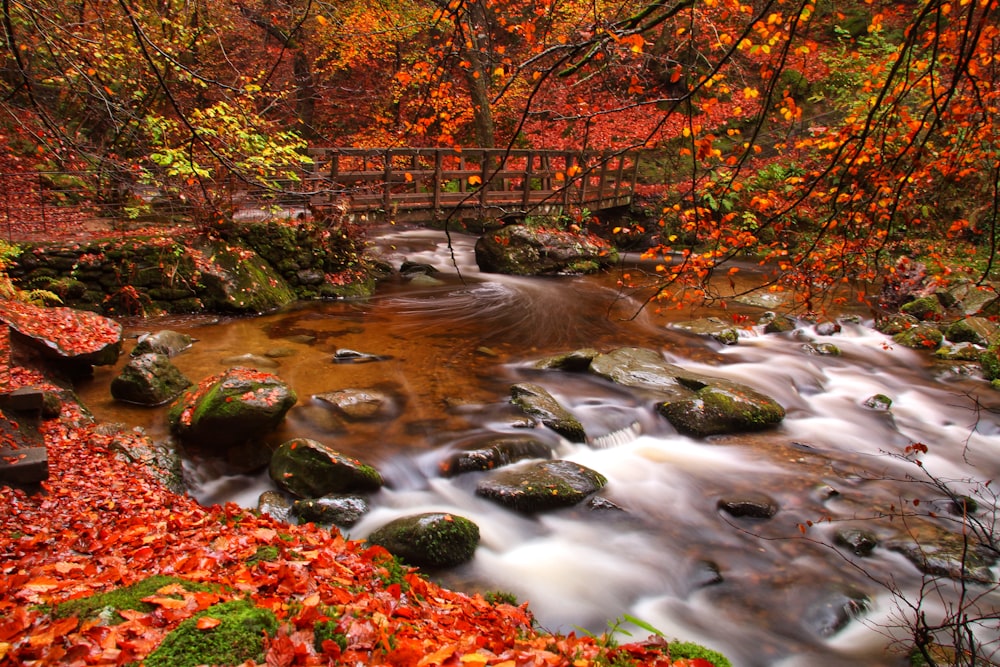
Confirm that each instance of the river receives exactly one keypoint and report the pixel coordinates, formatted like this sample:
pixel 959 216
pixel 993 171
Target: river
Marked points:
pixel 761 591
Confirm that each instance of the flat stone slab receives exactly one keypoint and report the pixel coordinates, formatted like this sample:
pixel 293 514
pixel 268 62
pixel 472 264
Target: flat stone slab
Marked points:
pixel 25 399
pixel 29 465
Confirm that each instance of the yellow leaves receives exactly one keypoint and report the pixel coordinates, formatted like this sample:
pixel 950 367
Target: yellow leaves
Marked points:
pixel 634 43
pixel 751 93
pixel 475 180
pixel 473 659
pixel 322 20
pixel 573 170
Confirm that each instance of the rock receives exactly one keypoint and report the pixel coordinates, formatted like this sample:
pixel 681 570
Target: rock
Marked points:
pixel 894 324
pixel 251 361
pixel 410 269
pixel 950 556
pixel 975 330
pixel 345 356
pixel 750 505
pixel 923 336
pixel 958 352
pixel 161 460
pixel 821 349
pixel 231 408
pixel 901 284
pixel 989 360
pixel 311 469
pixel 924 308
pixel 276 505
pixel 834 610
pixel 542 486
pixel 170 343
pixel 777 323
pixel 531 251
pixel 75 336
pixel 149 379
pixel 860 542
pixel 341 509
pixel 539 404
pixel 26 400
pixel 236 279
pixel 721 407
pixel 724 333
pixel 575 361
pixel 497 453
pixel 23 465
pixel 432 539
pixel 361 404
pixel 827 328
pixel 640 368
pixel 879 402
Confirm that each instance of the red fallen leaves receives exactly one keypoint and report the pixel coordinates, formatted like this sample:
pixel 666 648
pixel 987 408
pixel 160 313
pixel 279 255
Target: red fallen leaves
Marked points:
pixel 73 331
pixel 101 523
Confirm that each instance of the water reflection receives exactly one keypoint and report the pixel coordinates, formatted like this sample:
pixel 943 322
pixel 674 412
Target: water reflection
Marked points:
pixel 449 349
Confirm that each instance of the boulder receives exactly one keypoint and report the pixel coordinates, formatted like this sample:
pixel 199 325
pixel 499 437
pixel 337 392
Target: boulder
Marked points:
pixel 311 469
pixel 341 509
pixel 532 251
pixel 897 323
pixel 275 504
pixel 360 404
pixel 922 336
pixel 975 330
pixel 76 336
pixel 832 610
pixel 149 379
pixel 720 331
pixel 640 368
pixel 950 556
pixel 236 279
pixel 721 407
pixel 432 539
pixel 859 542
pixel 749 505
pixel 496 453
pixel 924 308
pixel 542 486
pixel 231 408
pixel 540 404
pixel 170 343
pixel 575 361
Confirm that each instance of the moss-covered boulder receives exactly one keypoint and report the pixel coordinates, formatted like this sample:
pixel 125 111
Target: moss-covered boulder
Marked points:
pixel 640 368
pixel 924 308
pixel 237 637
pixel 310 469
pixel 149 379
pixel 989 360
pixel 170 343
pixel 495 453
pixel 975 330
pixel 341 509
pixel 524 250
pixel 922 336
pixel 542 486
pixel 231 408
pixel 721 407
pixel 541 405
pixel 238 280
pixel 433 539
pixel 896 323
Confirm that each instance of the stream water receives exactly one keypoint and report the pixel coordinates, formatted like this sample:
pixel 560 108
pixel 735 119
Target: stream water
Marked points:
pixel 760 591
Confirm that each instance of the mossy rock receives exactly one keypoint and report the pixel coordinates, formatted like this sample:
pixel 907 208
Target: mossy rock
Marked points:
pixel 989 361
pixel 577 360
pixel 496 453
pixel 924 308
pixel 923 336
pixel 432 539
pixel 894 324
pixel 238 280
pixel 541 405
pixel 170 343
pixel 720 408
pixel 720 331
pixel 542 486
pixel 231 408
pixel 530 251
pixel 237 638
pixel 975 330
pixel 149 379
pixel 311 469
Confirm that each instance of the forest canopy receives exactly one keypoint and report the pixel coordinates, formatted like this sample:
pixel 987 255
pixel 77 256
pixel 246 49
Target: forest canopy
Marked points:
pixel 825 139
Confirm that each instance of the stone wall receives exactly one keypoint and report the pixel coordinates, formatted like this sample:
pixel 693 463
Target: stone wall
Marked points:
pixel 247 268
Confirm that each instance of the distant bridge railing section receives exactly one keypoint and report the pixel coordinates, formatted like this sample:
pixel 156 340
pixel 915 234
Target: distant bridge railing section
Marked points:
pixel 435 183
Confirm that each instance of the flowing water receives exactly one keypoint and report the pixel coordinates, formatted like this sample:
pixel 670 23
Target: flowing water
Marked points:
pixel 761 591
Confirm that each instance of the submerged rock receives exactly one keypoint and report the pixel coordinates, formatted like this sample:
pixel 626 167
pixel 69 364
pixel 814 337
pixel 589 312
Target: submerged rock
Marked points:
pixel 723 332
pixel 149 379
pixel 433 539
pixel 170 343
pixel 496 453
pixel 360 404
pixel 542 486
pixel 750 505
pixel 950 556
pixel 834 610
pixel 311 469
pixel 540 404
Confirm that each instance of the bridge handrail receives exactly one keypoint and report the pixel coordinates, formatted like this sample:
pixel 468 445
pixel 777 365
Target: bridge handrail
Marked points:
pixel 435 178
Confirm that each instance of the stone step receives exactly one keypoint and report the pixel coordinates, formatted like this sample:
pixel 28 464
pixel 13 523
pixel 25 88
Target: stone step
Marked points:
pixel 28 465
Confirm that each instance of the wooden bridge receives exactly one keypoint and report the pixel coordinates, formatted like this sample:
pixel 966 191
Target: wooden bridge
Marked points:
pixel 438 183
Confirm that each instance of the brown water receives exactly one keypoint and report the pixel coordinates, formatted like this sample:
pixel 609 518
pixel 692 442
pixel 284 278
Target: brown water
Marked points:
pixel 450 351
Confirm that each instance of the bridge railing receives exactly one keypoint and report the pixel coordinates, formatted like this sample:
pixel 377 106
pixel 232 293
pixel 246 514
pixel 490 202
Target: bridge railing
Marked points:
pixel 416 182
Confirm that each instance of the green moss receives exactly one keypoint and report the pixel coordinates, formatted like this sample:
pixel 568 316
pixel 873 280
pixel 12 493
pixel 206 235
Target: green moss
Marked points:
pixel 129 597
pixel 237 638
pixel 500 597
pixel 265 552
pixel 694 651
pixel 327 631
